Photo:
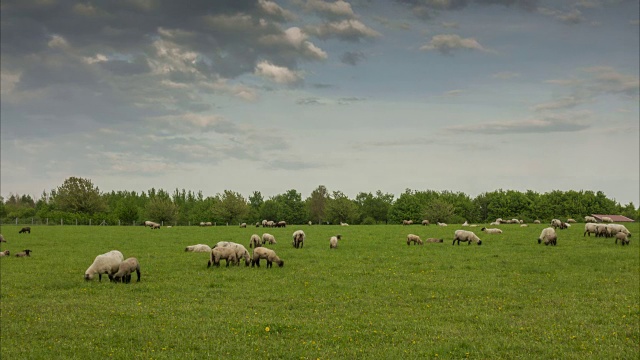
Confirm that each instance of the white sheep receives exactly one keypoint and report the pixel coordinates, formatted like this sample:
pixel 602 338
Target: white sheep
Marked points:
pixel 223 252
pixel 243 225
pixel 590 228
pixel 465 236
pixel 298 239
pixel 614 229
pixel 602 230
pixel 494 223
pixel 5 253
pixel 571 221
pixel 255 241
pixel 549 236
pixel 107 263
pixel 268 254
pixel 425 222
pixel 465 223
pixel 125 269
pixel 2 238
pixel 268 238
pixel 442 224
pixel 607 219
pixel 491 230
pixel 24 253
pixel 588 219
pixel 556 223
pixel 241 251
pixel 198 248
pixel 536 221
pixel 333 241
pixel 415 239
pixel 343 224
pixel 624 239
pixel 524 225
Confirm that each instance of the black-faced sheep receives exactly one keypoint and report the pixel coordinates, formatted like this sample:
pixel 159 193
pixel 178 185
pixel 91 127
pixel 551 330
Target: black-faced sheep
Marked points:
pixel 125 269
pixel 614 229
pixel 243 225
pixel 491 230
pixel 268 254
pixel 198 248
pixel 536 221
pixel 548 236
pixel 107 263
pixel 224 252
pixel 434 240
pixel 407 222
pixel 268 238
pixel 624 239
pixel 333 241
pixel 425 222
pixel 24 253
pixel 415 239
pixel 602 230
pixel 5 253
pixel 281 224
pixel 255 241
pixel 607 219
pixel 241 251
pixel 264 223
pixel 590 228
pixel 466 236
pixel 26 229
pixel 555 223
pixel 298 239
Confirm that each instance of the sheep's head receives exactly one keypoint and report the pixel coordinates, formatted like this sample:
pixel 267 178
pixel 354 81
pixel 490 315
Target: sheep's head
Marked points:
pixel 539 240
pixel 88 277
pixel 479 242
pixel 281 263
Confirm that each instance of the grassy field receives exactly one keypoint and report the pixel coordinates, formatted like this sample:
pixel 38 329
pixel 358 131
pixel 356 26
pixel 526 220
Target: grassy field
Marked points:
pixel 372 298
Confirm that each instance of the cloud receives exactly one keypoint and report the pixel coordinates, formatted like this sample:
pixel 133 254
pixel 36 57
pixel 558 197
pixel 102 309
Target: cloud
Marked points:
pixel 505 75
pixel 454 92
pixel 571 17
pixel 352 57
pixel 547 124
pixel 332 10
pixel 310 101
pixel 277 74
pixel 447 43
pixel 427 9
pixel 347 30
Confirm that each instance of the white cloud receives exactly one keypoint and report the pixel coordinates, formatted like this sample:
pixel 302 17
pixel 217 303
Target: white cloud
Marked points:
pixel 446 43
pixel 348 30
pixel 331 9
pixel 277 74
pixel 505 75
pixel 565 123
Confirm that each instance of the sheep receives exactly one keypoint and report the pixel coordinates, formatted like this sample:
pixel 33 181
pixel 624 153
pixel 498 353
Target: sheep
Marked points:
pixel 281 224
pixel 125 269
pixel 310 223
pixel 571 221
pixel 255 241
pixel 465 236
pixel 607 219
pixel 201 223
pixel 491 230
pixel 415 239
pixel 24 253
pixel 589 219
pixel 198 248
pixel 241 251
pixel 601 230
pixel 107 263
pixel 268 254
pixel 425 222
pixel 407 222
pixel 590 228
pixel 26 229
pixel 624 239
pixel 298 239
pixel 524 225
pixel 5 253
pixel 548 235
pixel 333 241
pixel 434 240
pixel 264 223
pixel 536 221
pixel 614 229
pixel 268 238
pixel 343 224
pixel 208 223
pixel 155 226
pixel 465 223
pixel 556 223
pixel 494 223
pixel 2 238
pixel 223 252
pixel 442 224
pixel 257 224
pixel 271 223
pixel 243 225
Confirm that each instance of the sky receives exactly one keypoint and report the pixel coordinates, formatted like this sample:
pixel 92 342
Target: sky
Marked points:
pixel 466 96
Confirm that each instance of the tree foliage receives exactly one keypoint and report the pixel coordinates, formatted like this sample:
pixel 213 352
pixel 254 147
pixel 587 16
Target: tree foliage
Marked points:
pixel 78 195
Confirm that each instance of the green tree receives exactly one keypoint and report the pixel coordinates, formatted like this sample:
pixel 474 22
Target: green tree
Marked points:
pixel 79 195
pixel 161 209
pixel 291 208
pixel 342 209
pixel 374 207
pixel 406 207
pixel 232 208
pixel 317 203
pixel 439 211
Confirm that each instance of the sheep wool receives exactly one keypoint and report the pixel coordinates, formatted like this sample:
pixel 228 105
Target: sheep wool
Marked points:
pixel 268 254
pixel 298 239
pixel 107 263
pixel 491 230
pixel 255 241
pixel 548 236
pixel 333 242
pixel 225 252
pixel 268 238
pixel 241 251
pixel 415 239
pixel 125 269
pixel 465 236
pixel 624 240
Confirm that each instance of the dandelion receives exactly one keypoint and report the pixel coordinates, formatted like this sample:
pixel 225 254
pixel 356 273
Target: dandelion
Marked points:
pixel 267 329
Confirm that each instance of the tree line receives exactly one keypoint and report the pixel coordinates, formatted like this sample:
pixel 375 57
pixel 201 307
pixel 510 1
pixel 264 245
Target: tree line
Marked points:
pixel 80 201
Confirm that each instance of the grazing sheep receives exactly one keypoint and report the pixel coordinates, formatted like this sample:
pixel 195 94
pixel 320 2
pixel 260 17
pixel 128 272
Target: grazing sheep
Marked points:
pixel 26 229
pixel 107 263
pixel 271 223
pixel 434 240
pixel 243 225
pixel 590 228
pixel 614 229
pixel 150 223
pixel 2 238
pixel 602 230
pixel 155 226
pixel 343 224
pixel 407 222
pixel 125 269
pixel 333 242
pixel 494 223
pixel 624 239
pixel 208 223
pixel 298 239
pixel 268 238
pixel 425 222
pixel 555 223
pixel 268 254
pixel 588 219
pixel 607 219
pixel 281 224
pixel 548 235
pixel 201 223
pixel 24 253
pixel 241 251
pixel 223 252
pixel 491 230
pixel 264 223
pixel 5 253
pixel 415 239
pixel 523 225
pixel 571 221
pixel 536 221
pixel 310 223
pixel 198 248
pixel 255 241
pixel 257 224
pixel 442 224
pixel 465 223
pixel 465 236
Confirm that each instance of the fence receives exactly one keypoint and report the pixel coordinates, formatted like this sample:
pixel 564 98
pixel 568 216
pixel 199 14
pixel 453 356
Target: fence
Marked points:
pixel 32 221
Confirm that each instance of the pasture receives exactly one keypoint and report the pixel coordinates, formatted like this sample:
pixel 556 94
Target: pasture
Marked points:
pixel 373 297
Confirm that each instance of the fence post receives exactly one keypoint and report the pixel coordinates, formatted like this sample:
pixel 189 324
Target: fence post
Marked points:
pixel 16 221
pixel 162 222
pixel 118 222
pixel 61 221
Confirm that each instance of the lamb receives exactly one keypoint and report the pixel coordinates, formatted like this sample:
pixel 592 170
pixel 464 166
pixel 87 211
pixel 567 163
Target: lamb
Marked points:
pixel 223 252
pixel 442 224
pixel 5 253
pixel 415 239
pixel 614 229
pixel 255 241
pixel 198 248
pixel 343 224
pixel 268 254
pixel 607 219
pixel 125 269
pixel 434 240
pixel 425 222
pixel 26 229
pixel 243 225
pixel 333 242
pixel 407 222
pixel 556 223
pixel 466 236
pixel 24 253
pixel 491 230
pixel 465 223
pixel 590 228
pixel 2 238
pixel 298 239
pixel 571 221
pixel 536 221
pixel 548 235
pixel 624 240
pixel 589 219
pixel 268 238
pixel 107 263
pixel 241 251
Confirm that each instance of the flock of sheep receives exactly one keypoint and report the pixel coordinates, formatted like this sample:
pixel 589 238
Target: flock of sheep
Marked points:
pixel 23 253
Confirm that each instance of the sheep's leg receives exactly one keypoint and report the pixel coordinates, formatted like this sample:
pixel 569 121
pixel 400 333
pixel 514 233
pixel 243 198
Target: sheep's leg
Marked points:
pixel 269 264
pixel 138 273
pixel 99 277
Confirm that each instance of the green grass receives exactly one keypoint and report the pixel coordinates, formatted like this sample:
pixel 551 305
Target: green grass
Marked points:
pixel 372 298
